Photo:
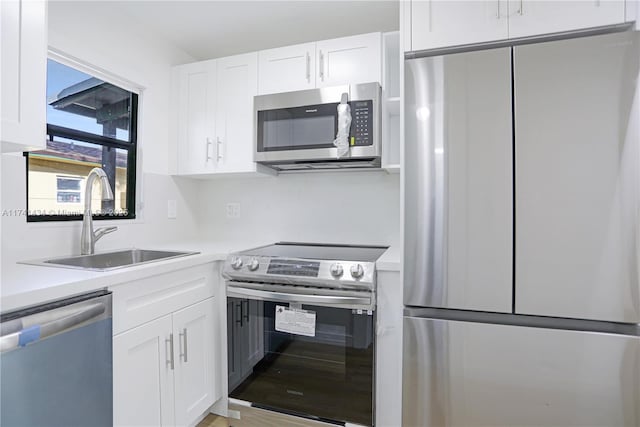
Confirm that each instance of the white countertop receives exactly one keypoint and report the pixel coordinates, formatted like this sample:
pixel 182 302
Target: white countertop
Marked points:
pixel 390 260
pixel 27 285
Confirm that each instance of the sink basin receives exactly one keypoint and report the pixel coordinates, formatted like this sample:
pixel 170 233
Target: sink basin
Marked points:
pixel 111 260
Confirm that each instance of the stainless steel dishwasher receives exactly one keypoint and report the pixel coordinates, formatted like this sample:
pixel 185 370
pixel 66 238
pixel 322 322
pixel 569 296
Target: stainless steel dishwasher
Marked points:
pixel 56 364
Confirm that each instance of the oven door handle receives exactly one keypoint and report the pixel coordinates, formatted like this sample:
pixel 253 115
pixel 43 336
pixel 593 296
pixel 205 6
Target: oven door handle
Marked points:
pixel 295 298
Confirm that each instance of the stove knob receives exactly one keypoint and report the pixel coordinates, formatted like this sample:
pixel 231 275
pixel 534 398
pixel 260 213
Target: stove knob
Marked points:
pixel 336 270
pixel 254 264
pixel 357 271
pixel 236 263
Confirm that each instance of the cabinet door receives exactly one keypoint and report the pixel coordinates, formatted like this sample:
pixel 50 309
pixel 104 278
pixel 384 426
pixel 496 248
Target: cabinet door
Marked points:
pixel 528 18
pixel 578 178
pixel 439 23
pixel 143 376
pixel 287 69
pixel 253 334
pixel 196 118
pixel 349 60
pixel 237 85
pixel 23 60
pixel 193 332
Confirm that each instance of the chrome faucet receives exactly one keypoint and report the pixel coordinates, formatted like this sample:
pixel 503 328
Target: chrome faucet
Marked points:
pixel 88 238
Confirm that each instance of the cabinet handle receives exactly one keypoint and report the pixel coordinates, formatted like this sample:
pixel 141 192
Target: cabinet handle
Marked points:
pixel 245 315
pixel 183 337
pixel 321 66
pixel 521 11
pixel 208 145
pixel 239 317
pixel 218 151
pixel 308 59
pixel 170 355
pixel 498 10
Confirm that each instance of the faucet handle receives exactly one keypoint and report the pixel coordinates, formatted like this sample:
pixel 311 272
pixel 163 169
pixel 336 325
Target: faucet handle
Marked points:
pixel 102 231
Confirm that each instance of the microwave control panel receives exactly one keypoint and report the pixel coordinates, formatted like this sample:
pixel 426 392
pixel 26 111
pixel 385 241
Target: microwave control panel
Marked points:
pixel 361 123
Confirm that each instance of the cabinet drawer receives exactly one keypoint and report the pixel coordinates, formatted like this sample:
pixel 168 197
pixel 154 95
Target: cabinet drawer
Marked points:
pixel 138 302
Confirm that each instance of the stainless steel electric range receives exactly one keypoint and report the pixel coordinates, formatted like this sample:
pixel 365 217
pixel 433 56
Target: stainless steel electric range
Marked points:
pixel 301 330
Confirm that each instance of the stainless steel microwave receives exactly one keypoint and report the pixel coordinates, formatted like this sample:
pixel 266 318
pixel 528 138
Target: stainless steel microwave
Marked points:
pixel 295 130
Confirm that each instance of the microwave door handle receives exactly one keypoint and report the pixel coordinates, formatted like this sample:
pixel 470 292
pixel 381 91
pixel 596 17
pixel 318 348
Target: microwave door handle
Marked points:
pixel 295 298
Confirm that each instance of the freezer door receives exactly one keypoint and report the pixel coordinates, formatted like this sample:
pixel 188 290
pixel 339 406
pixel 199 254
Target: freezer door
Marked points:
pixel 458 227
pixel 577 122
pixel 475 374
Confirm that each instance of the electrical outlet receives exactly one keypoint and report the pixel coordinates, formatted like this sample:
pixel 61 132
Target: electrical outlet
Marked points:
pixel 233 210
pixel 172 209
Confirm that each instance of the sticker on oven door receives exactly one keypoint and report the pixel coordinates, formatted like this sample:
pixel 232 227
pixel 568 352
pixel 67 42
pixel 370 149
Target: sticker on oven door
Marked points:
pixel 295 321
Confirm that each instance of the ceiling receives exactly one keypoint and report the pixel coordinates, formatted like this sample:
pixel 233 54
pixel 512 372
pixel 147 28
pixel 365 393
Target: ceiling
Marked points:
pixel 211 29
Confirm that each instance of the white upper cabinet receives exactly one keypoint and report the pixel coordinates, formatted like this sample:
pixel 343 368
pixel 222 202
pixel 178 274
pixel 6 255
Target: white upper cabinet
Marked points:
pixel 287 69
pixel 529 18
pixel 196 117
pixel 23 59
pixel 237 85
pixel 346 60
pixel 430 24
pixel 450 23
pixel 215 116
pixel 349 60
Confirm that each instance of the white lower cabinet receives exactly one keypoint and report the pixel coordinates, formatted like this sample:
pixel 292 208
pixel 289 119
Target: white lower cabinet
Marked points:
pixel 143 391
pixel 163 371
pixel 194 359
pixel 165 333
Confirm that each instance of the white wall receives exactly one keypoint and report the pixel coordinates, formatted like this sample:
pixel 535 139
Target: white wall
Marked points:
pixel 348 207
pixel 340 207
pixel 91 32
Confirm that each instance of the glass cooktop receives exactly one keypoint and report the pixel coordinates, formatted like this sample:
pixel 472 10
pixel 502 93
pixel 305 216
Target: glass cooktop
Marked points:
pixel 319 251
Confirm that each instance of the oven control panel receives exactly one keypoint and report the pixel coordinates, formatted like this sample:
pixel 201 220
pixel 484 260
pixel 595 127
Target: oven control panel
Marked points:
pixel 317 273
pixel 296 268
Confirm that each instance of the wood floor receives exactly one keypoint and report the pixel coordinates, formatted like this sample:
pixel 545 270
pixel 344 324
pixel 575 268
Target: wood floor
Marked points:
pixel 213 421
pixel 254 417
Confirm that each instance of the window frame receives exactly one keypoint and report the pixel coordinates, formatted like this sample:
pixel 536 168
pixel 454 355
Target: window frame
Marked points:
pixel 131 146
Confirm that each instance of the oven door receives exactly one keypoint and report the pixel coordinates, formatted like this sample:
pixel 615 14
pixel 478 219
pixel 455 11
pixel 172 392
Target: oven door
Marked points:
pixel 323 370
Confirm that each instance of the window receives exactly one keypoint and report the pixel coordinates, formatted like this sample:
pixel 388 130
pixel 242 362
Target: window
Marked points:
pixel 90 123
pixel 68 189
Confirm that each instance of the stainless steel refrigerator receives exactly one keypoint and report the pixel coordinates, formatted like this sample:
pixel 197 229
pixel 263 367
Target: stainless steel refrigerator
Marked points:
pixel 522 234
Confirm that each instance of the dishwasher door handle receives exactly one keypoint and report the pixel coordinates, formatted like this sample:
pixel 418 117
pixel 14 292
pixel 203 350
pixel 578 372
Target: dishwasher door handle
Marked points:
pixel 295 298
pixel 39 331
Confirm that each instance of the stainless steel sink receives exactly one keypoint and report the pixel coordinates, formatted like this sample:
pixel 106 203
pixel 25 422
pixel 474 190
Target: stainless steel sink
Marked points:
pixel 110 260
